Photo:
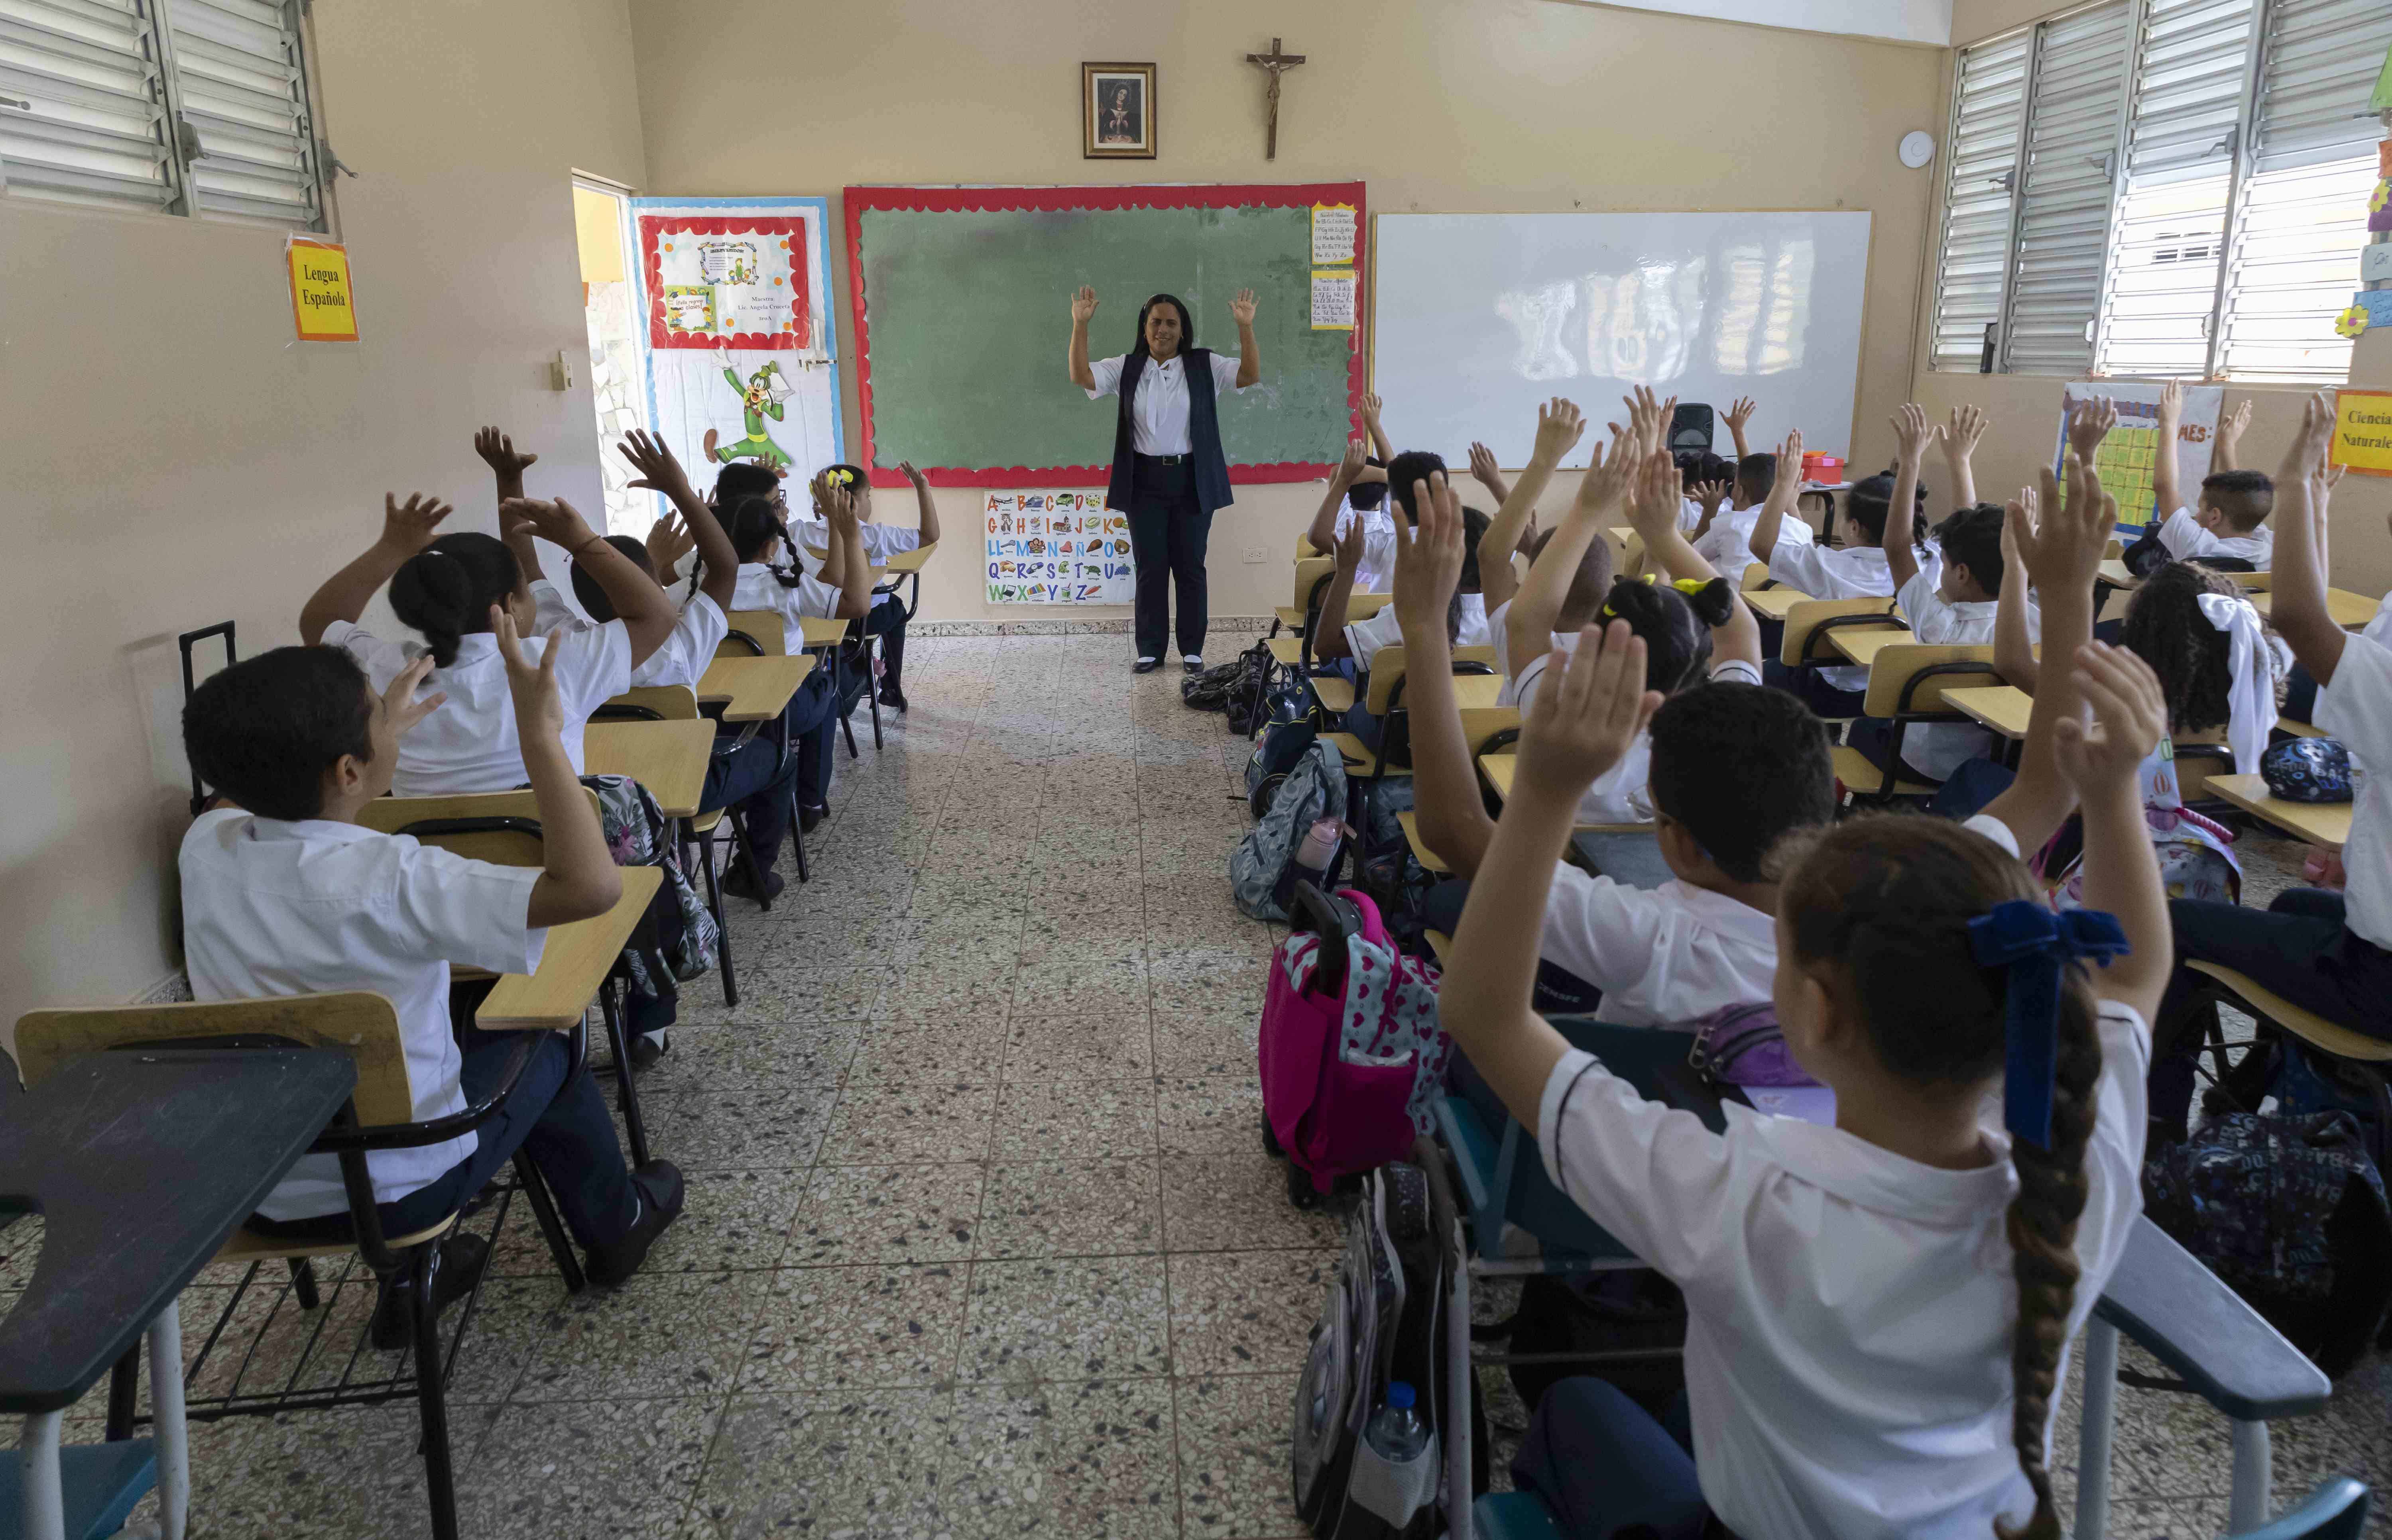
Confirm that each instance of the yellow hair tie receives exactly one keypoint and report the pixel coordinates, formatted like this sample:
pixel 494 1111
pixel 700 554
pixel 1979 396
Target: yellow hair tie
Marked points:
pixel 1692 586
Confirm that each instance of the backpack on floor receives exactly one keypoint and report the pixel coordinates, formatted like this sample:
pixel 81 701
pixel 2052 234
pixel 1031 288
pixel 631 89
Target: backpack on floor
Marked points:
pixel 2291 1213
pixel 1384 1321
pixel 1351 1056
pixel 677 939
pixel 1277 748
pixel 1211 689
pixel 1263 868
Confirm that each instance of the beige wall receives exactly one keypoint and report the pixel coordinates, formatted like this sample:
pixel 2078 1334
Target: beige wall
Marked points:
pixel 1973 20
pixel 173 459
pixel 1439 104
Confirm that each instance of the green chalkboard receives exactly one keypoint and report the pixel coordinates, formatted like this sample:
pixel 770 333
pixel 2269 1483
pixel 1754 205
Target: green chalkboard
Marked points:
pixel 962 313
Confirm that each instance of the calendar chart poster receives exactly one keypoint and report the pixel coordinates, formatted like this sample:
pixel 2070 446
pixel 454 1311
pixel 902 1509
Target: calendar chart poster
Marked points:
pixel 1056 547
pixel 2127 456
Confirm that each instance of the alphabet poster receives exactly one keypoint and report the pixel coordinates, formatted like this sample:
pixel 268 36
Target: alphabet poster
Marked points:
pixel 1056 548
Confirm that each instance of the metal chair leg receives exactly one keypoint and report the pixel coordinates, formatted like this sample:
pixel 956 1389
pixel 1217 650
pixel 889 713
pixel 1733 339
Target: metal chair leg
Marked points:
pixel 123 1395
pixel 169 1437
pixel 610 1001
pixel 714 903
pixel 2251 1498
pixel 303 1283
pixel 543 1209
pixel 872 690
pixel 432 1396
pixel 2093 1431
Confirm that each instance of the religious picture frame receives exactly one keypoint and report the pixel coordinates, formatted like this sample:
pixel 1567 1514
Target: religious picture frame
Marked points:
pixel 1117 111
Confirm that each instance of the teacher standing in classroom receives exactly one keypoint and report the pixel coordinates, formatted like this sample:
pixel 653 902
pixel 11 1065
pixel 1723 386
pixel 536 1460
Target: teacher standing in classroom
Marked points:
pixel 1169 473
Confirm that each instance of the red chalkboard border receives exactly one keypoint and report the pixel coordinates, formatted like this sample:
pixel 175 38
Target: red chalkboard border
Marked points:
pixel 1267 195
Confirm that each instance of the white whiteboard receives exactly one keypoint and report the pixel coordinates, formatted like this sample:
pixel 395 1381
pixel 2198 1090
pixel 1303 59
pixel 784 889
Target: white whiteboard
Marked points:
pixel 1477 318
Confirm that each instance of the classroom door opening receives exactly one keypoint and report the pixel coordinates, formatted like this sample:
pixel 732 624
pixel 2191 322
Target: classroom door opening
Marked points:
pixel 610 307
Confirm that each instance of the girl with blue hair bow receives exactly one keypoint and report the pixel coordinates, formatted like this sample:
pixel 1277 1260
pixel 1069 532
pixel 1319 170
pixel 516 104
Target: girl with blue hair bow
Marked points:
pixel 1878 1310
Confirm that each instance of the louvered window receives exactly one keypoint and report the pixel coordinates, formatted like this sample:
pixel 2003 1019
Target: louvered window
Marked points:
pixel 2192 188
pixel 1981 159
pixel 187 107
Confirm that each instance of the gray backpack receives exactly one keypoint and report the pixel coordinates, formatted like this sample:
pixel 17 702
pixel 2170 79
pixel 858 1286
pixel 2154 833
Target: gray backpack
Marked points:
pixel 1315 788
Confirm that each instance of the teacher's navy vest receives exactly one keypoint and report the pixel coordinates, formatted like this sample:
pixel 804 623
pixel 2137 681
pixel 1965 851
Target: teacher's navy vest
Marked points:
pixel 1203 433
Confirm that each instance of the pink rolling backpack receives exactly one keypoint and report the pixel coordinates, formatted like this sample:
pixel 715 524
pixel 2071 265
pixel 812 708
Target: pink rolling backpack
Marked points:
pixel 1351 1054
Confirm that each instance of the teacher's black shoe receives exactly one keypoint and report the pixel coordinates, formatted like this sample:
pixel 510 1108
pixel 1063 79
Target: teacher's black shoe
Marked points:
pixel 1147 666
pixel 1192 662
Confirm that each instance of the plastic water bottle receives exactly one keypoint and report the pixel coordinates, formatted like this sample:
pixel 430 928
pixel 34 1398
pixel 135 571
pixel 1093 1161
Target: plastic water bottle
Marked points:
pixel 1396 1431
pixel 1319 843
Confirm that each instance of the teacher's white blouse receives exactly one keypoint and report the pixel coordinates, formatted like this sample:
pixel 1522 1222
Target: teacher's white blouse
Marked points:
pixel 1158 414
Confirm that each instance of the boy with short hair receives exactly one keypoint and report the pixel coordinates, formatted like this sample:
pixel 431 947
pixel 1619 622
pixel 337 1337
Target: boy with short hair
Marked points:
pixel 1735 768
pixel 284 893
pixel 1725 539
pixel 2231 519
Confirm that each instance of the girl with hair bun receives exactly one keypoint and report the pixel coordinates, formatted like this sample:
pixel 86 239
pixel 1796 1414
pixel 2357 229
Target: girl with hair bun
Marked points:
pixel 451 588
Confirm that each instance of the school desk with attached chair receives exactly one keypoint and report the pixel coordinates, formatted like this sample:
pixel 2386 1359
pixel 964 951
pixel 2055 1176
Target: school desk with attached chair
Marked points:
pixel 583 961
pixel 142 1165
pixel 1907 679
pixel 2350 611
pixel 369 1105
pixel 753 680
pixel 2325 824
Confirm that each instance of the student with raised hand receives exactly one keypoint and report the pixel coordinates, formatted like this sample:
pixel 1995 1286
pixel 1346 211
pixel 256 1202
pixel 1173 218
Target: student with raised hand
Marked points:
pixel 1357 501
pixel 1957 441
pixel 1559 426
pixel 1724 539
pixel 2232 518
pixel 1733 770
pixel 1908 1268
pixel 446 586
pixel 1855 566
pixel 1360 640
pixel 284 893
pixel 2325 951
pixel 1738 413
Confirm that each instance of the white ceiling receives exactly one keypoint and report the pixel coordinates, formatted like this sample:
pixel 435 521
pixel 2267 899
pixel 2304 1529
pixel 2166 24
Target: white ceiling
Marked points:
pixel 1903 20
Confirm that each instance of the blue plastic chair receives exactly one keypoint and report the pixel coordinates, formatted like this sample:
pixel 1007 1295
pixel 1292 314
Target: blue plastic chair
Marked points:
pixel 2336 1511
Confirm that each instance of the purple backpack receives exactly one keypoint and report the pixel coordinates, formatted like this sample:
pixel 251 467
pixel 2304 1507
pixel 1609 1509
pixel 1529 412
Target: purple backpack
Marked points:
pixel 1742 1045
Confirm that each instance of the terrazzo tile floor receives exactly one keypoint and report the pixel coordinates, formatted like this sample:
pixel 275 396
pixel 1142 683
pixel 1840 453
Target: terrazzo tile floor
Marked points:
pixel 980 1239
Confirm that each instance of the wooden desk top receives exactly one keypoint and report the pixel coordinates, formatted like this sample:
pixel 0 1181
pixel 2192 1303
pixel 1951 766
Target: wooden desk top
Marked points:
pixel 2326 823
pixel 755 690
pixel 2003 708
pixel 1862 645
pixel 2349 610
pixel 572 966
pixel 1288 650
pixel 1499 768
pixel 907 561
pixel 2115 573
pixel 1773 603
pixel 670 758
pixel 1476 692
pixel 819 633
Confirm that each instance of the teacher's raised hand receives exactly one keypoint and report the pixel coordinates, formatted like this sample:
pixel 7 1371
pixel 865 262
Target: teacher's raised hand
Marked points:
pixel 1241 308
pixel 1084 303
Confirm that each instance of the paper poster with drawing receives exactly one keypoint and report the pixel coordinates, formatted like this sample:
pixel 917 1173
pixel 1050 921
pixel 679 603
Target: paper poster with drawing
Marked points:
pixel 1056 547
pixel 2124 461
pixel 741 349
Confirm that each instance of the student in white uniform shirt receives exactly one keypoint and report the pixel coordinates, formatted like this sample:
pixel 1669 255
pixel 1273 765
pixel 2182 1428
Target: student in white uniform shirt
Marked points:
pixel 1854 569
pixel 843 593
pixel 285 894
pixel 749 773
pixel 1868 1356
pixel 1350 647
pixel 1951 603
pixel 2325 951
pixel 1356 496
pixel 1571 587
pixel 2231 519
pixel 1732 770
pixel 1723 535
pixel 881 541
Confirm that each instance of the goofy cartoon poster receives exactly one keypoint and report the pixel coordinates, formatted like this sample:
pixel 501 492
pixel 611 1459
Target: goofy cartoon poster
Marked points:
pixel 741 345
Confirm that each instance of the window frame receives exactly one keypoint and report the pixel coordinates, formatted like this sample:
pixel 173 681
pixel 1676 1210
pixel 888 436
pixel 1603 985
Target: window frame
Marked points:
pixel 180 193
pixel 2240 170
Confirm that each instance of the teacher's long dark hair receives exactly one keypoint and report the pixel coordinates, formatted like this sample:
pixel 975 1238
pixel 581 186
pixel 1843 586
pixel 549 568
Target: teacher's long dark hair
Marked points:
pixel 1187 324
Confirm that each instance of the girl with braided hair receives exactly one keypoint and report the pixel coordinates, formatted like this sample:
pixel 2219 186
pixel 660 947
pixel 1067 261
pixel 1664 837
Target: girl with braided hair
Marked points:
pixel 1877 1311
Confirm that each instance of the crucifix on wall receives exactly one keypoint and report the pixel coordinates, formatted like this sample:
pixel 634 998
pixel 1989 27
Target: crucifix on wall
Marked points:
pixel 1274 64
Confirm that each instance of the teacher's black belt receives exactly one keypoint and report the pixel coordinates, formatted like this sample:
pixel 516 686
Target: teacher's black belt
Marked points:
pixel 1166 460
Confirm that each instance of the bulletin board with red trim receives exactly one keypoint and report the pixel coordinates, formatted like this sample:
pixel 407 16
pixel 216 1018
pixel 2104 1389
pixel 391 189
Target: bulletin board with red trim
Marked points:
pixel 961 303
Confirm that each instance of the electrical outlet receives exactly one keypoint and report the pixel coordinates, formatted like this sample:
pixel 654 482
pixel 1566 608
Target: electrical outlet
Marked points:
pixel 1257 554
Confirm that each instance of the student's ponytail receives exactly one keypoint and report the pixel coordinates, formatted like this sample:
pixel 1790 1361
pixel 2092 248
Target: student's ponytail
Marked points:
pixel 753 527
pixel 1674 623
pixel 445 590
pixel 2043 1249
pixel 1878 912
